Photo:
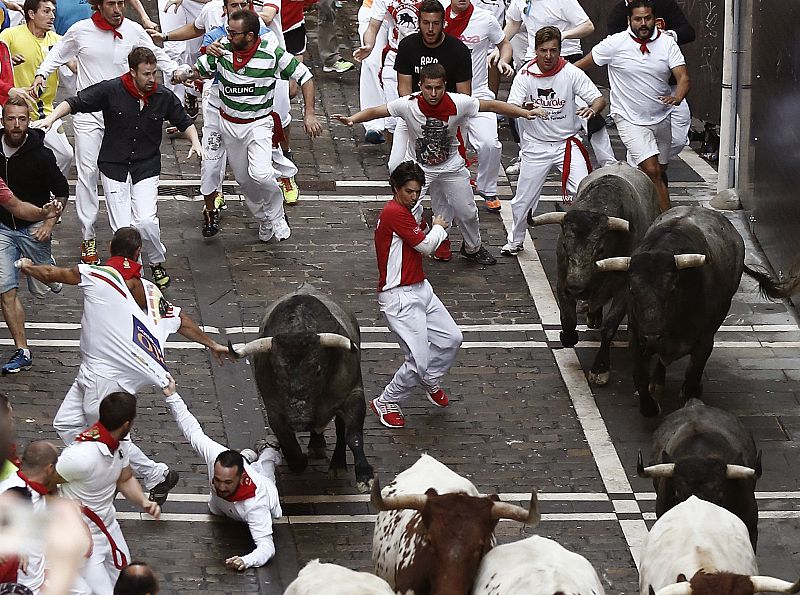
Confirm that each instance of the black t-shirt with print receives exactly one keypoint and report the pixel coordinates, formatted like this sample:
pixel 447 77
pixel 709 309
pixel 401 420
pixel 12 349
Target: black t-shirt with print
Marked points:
pixel 413 54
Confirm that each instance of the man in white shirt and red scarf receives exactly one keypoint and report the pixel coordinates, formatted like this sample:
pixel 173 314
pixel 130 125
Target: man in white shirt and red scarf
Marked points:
pixel 550 82
pixel 90 471
pixel 242 484
pixel 640 62
pixel 125 325
pixel 433 118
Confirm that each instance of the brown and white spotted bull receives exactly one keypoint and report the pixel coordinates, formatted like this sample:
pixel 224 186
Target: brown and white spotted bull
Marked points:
pixel 307 365
pixel 699 548
pixel 434 528
pixel 613 208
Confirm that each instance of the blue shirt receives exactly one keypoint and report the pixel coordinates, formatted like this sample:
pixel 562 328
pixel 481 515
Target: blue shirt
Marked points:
pixel 69 12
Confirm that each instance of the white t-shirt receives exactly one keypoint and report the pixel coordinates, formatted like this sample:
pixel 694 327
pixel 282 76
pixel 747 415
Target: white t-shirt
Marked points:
pixel 433 140
pixel 496 7
pixel 33 576
pixel 556 94
pixel 482 34
pixel 637 80
pixel 119 341
pixel 211 16
pixel 91 472
pixel 402 16
pixel 535 14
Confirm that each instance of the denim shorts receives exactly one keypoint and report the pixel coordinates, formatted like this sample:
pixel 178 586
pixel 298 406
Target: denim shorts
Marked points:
pixel 14 244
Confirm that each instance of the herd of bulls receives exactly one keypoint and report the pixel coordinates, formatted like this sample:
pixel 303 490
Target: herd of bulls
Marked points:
pixel 674 276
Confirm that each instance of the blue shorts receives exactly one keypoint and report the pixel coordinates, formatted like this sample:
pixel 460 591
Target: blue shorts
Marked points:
pixel 14 244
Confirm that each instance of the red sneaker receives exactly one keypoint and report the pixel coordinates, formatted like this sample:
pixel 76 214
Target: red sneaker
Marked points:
pixel 388 413
pixel 439 398
pixel 443 252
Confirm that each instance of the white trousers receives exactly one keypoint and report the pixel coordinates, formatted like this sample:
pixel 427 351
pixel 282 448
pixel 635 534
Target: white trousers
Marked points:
pixel 389 83
pixel 56 140
pixel 89 130
pixel 183 52
pixel 281 102
pixel 452 198
pixel 99 572
pixel 249 149
pixel 400 149
pixel 537 161
pixel 212 168
pixel 427 334
pixel 81 408
pixel 370 90
pixel 482 136
pixel 135 205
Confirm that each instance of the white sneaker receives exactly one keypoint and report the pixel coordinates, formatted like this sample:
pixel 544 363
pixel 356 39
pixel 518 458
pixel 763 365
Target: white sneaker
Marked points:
pixel 249 455
pixel 265 231
pixel 281 228
pixel 513 169
pixel 511 249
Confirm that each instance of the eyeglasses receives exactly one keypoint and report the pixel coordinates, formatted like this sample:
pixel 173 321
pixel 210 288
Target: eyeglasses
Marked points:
pixel 235 33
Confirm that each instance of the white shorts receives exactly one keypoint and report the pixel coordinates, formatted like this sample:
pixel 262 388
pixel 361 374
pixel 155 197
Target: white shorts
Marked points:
pixel 644 142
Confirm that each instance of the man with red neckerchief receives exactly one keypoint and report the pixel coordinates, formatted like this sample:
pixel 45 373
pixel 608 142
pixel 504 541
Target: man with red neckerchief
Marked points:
pixel 90 471
pixel 552 83
pixel 242 484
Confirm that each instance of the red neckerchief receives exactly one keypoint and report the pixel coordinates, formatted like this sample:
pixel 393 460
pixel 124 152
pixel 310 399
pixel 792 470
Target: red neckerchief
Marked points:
pixel 240 59
pixel 441 111
pixel 98 433
pixel 643 42
pixel 552 72
pixel 455 25
pixel 129 269
pixel 133 90
pixel 104 25
pixel 34 485
pixel 246 489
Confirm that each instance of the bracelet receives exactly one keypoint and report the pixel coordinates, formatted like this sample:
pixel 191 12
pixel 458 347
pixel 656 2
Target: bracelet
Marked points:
pixel 166 36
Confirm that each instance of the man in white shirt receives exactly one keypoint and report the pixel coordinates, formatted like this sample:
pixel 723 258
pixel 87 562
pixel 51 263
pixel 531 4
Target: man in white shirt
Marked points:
pixel 433 117
pixel 479 30
pixel 90 471
pixel 101 46
pixel 550 82
pixel 640 62
pixel 242 489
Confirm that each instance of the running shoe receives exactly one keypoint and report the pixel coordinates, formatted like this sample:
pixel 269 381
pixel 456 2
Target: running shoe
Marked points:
pixel 482 256
pixel 219 202
pixel 443 252
pixel 89 252
pixel 491 204
pixel 513 169
pixel 374 137
pixel 389 414
pixel 160 276
pixel 338 67
pixel 290 190
pixel 511 249
pixel 160 492
pixel 281 229
pixel 55 287
pixel 438 397
pixel 265 231
pixel 19 362
pixel 191 105
pixel 210 223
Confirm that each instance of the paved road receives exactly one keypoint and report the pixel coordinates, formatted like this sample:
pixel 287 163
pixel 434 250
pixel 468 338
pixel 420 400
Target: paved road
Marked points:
pixel 522 415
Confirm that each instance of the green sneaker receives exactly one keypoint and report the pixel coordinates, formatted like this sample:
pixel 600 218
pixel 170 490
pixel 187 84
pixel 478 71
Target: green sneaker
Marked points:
pixel 219 202
pixel 160 276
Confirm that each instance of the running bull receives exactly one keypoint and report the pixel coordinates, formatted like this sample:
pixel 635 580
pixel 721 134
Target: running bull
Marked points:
pixel 307 364
pixel 613 208
pixel 434 528
pixel 705 452
pixel 682 278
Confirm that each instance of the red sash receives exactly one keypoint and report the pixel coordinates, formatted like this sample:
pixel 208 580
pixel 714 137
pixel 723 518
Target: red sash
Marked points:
pixel 246 489
pixel 104 25
pixel 441 111
pixel 552 72
pixel 120 560
pixel 240 59
pixel 643 42
pixel 568 162
pixel 455 25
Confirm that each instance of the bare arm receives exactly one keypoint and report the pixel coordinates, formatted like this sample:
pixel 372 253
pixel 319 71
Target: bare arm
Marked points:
pixel 404 84
pixel 585 29
pixel 191 331
pixel 268 14
pixel 50 274
pixel 464 87
pixel 61 110
pixel 368 43
pixel 597 106
pixel 139 9
pixel 510 110
pixel 371 113
pixel 197 149
pixel 130 487
pixel 586 62
pixel 182 33
pixel 30 212
pixel 681 74
pixel 502 57
pixel 310 122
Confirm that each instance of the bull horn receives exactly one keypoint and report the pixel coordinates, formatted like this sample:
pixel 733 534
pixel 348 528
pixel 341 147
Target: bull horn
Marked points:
pixel 616 263
pixel 402 502
pixel 676 589
pixel 764 584
pixel 665 470
pixel 257 346
pixel 334 340
pixel 688 261
pixel 546 218
pixel 618 224
pixel 530 517
pixel 739 472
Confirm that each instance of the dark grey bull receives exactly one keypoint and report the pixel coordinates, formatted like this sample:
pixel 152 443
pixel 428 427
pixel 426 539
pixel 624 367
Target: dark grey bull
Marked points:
pixel 307 364
pixel 705 452
pixel 613 208
pixel 682 278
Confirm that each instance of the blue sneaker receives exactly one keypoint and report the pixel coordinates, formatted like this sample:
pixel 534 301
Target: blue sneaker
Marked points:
pixel 19 362
pixel 374 137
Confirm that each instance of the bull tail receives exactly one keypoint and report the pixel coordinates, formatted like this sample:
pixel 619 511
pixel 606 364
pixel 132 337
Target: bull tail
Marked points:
pixel 770 288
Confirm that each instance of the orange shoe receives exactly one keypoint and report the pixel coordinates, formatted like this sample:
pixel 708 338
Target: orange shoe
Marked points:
pixel 89 252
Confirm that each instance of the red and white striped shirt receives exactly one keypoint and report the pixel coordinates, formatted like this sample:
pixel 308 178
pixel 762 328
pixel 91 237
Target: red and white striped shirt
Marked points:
pixel 397 232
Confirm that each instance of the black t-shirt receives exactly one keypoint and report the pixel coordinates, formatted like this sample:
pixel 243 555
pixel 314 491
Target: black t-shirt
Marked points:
pixel 413 54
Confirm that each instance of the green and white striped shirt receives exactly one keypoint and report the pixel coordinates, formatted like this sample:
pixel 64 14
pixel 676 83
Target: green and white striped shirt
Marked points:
pixel 248 93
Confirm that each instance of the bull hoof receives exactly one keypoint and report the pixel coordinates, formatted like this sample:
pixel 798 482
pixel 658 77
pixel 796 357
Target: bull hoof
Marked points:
pixel 599 378
pixel 365 487
pixel 337 472
pixel 568 338
pixel 317 453
pixel 649 408
pixel 594 320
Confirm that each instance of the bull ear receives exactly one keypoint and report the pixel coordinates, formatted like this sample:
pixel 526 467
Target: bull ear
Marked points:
pixel 688 261
pixel 431 492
